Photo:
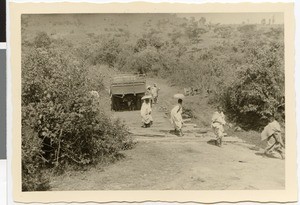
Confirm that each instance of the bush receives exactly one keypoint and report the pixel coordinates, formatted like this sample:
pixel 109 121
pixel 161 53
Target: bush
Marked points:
pixel 142 62
pixel 223 31
pixel 32 162
pixel 68 126
pixel 42 40
pixel 107 52
pixel 258 91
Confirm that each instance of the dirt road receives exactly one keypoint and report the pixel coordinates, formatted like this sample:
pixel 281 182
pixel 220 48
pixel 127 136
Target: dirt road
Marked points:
pixel 162 161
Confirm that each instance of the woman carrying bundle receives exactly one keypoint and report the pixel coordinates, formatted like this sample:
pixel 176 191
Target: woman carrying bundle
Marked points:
pixel 147 119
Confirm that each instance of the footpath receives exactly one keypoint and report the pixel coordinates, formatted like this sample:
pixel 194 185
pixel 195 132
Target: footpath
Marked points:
pixel 163 161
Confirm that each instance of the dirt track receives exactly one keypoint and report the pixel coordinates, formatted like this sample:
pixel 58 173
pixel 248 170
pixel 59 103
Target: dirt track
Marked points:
pixel 162 161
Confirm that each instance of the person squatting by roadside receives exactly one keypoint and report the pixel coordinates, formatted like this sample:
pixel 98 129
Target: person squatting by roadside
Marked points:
pixel 176 118
pixel 147 119
pixel 272 133
pixel 154 92
pixel 218 122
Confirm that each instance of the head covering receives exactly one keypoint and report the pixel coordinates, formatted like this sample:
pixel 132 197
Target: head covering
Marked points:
pixel 148 86
pixel 178 96
pixel 146 97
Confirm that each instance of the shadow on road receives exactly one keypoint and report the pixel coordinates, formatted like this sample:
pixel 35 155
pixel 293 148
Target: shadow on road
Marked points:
pixel 212 142
pixel 266 155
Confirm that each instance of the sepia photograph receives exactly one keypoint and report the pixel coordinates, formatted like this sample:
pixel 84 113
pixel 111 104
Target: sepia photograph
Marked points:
pixel 154 101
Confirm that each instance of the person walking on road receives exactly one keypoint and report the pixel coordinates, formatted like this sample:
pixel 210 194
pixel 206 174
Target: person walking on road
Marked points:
pixel 272 133
pixel 147 119
pixel 176 118
pixel 218 122
pixel 154 91
pixel 149 93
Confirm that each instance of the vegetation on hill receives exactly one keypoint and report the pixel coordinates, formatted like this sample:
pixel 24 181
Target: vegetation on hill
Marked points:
pixel 63 125
pixel 241 67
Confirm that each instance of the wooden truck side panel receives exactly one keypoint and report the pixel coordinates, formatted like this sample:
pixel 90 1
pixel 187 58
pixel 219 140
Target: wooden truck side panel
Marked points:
pixel 126 92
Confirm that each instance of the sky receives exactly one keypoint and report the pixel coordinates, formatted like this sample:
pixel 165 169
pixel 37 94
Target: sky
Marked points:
pixel 237 18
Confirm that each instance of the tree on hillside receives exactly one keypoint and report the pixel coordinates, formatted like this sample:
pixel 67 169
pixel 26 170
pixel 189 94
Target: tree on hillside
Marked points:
pixel 202 20
pixel 42 40
pixel 193 32
pixel 107 52
pixel 140 45
pixel 258 92
pixel 223 31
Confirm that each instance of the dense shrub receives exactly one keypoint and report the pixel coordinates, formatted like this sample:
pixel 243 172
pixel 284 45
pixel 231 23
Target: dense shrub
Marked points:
pixel 258 91
pixel 143 61
pixel 223 31
pixel 247 29
pixel 67 125
pixel 106 52
pixel 42 40
pixel 33 162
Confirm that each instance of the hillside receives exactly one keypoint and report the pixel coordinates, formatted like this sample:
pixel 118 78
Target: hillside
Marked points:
pixel 189 52
pixel 163 161
pixel 66 126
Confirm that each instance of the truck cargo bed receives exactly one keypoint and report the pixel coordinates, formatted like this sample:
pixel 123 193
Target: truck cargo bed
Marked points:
pixel 127 88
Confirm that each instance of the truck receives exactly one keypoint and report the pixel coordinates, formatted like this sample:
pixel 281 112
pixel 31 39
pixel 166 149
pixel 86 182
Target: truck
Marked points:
pixel 126 91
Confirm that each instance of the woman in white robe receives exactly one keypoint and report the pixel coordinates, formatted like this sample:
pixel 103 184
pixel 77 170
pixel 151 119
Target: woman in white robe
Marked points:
pixel 272 133
pixel 147 119
pixel 217 123
pixel 176 117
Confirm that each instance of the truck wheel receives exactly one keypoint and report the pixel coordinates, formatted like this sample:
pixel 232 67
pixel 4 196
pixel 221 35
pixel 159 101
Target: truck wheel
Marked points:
pixel 138 103
pixel 112 104
pixel 116 104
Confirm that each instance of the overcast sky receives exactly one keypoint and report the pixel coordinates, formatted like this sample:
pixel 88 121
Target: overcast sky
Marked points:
pixel 237 18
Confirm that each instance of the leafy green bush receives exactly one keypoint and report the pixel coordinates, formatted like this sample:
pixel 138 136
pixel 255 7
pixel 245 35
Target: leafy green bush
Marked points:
pixel 258 91
pixel 223 31
pixel 42 40
pixel 33 162
pixel 107 52
pixel 68 126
